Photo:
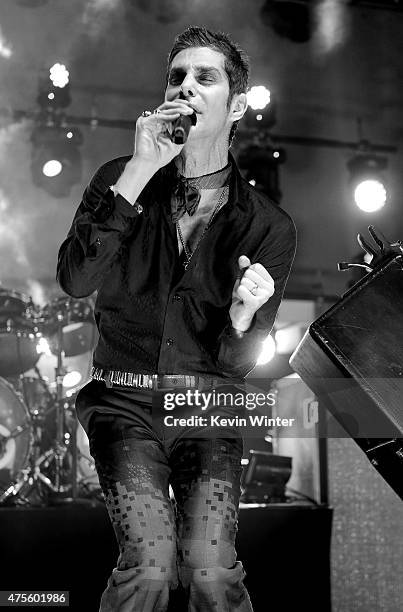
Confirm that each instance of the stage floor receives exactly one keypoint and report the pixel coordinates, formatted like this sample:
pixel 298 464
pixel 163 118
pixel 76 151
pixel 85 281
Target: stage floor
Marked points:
pixel 284 548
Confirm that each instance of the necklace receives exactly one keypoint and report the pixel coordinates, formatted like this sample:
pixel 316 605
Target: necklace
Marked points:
pixel 188 253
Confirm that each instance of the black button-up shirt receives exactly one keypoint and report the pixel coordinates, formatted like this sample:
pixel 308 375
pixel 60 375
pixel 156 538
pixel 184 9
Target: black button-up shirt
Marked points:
pixel 153 317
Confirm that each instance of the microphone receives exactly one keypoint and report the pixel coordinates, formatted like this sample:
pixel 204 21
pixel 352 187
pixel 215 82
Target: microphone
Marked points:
pixel 181 128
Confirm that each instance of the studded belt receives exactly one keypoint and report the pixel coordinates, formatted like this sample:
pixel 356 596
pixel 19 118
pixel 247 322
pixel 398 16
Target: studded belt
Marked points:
pixel 117 378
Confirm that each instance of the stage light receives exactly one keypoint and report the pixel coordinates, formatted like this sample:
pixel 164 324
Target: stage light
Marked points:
pixel 42 347
pixel 370 196
pixel 53 167
pixel 288 337
pixel 290 19
pixel 367 181
pixel 5 48
pixel 268 351
pixel 260 166
pixel 258 97
pixel 72 379
pixel 54 89
pixel 56 160
pixel 261 111
pixel 59 75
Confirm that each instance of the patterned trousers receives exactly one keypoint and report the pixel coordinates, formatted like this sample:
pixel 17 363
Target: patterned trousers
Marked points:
pixel 166 546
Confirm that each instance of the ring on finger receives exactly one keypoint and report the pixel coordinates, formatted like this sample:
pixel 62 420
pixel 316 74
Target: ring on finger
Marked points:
pixel 146 113
pixel 254 289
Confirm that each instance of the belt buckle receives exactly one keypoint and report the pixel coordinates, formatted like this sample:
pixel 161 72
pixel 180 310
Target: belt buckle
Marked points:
pixel 177 382
pixel 173 382
pixel 158 385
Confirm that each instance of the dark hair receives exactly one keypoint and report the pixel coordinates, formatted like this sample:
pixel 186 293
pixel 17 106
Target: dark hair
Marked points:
pixel 236 62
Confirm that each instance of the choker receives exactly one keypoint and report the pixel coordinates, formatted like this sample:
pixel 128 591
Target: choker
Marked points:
pixel 186 191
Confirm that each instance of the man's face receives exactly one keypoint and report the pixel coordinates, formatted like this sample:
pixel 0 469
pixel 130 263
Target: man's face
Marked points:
pixel 198 75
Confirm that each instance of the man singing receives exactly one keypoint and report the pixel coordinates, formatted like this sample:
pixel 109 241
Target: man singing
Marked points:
pixel 190 264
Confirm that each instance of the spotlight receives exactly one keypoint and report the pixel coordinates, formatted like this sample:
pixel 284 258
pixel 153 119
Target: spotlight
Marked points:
pixel 370 195
pixel 261 111
pixel 59 75
pixel 367 182
pixel 287 338
pixel 5 49
pixel 51 168
pixel 268 351
pixel 56 159
pixel 54 90
pixel 260 167
pixel 290 19
pixel 72 379
pixel 43 348
pixel 258 97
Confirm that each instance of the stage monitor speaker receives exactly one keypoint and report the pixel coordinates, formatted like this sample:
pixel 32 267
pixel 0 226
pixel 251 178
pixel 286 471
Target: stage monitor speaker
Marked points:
pixel 352 358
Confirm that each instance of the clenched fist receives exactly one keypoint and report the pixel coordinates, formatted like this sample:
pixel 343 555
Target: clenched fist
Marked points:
pixel 253 287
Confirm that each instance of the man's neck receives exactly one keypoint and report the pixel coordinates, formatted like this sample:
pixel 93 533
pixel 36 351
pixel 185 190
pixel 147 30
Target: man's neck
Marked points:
pixel 194 161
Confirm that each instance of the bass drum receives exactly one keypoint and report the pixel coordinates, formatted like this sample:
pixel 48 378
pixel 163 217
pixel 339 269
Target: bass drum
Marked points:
pixel 15 438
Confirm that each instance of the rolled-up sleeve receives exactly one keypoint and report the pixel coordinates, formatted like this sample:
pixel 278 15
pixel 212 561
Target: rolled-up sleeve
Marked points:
pixel 101 223
pixel 238 353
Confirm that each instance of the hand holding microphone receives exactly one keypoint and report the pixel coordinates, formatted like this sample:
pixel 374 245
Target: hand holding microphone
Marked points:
pixel 161 135
pixel 155 146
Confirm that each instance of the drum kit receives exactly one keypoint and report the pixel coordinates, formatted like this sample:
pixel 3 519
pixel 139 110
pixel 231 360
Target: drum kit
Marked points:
pixel 44 453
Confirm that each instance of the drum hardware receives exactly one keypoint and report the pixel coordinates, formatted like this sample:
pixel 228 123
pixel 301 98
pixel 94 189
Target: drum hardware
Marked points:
pixel 65 444
pixel 35 483
pixel 44 385
pixel 34 473
pixel 18 333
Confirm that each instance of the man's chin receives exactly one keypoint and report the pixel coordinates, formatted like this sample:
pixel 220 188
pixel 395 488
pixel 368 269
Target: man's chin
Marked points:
pixel 198 134
pixel 201 137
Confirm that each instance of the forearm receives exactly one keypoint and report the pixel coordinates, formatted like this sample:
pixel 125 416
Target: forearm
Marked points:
pixel 103 220
pixel 135 176
pixel 87 255
pixel 240 342
pixel 241 325
pixel 239 350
